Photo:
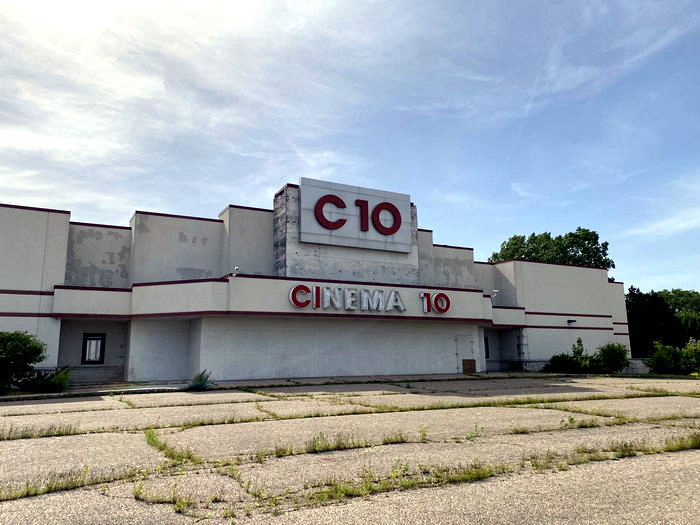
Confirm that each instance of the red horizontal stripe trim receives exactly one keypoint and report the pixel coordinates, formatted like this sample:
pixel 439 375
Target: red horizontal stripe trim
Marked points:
pixel 568 314
pixel 184 281
pixel 25 314
pixel 510 307
pixel 616 322
pixel 454 247
pixel 270 314
pixel 249 208
pixel 92 316
pixel 32 208
pixel 25 292
pixel 90 288
pixel 96 225
pixel 363 283
pixel 571 327
pixel 170 215
pixel 621 333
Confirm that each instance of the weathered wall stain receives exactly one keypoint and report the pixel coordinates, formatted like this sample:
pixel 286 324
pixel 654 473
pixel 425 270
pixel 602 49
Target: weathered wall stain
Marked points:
pixel 193 273
pixel 97 257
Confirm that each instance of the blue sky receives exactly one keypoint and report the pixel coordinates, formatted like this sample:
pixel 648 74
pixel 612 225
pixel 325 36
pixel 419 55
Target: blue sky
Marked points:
pixel 498 117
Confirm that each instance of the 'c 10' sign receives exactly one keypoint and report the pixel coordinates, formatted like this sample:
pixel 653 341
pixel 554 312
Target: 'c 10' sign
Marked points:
pixel 363 205
pixel 342 215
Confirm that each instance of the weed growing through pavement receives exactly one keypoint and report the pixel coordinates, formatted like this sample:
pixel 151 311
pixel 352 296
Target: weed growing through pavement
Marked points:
pixel 341 441
pixel 517 429
pixel 65 481
pixel 395 438
pixel 11 432
pixel 173 453
pixel 179 503
pixel 423 434
pixel 572 422
pixel 128 402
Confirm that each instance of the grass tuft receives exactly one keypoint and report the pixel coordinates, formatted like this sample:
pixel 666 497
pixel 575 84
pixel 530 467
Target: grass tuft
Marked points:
pixel 12 432
pixel 65 481
pixel 342 441
pixel 170 452
pixel 395 438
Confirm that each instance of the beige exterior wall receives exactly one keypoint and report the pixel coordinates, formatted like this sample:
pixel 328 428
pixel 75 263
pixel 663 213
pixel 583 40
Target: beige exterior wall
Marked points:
pixel 247 242
pixel 159 350
pixel 168 248
pixel 246 348
pixel 33 255
pixel 98 256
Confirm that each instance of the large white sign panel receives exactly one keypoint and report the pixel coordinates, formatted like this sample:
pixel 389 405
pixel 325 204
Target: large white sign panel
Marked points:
pixel 343 215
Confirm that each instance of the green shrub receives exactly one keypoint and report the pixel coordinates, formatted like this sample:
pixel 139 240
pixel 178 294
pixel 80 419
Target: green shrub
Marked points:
pixel 665 359
pixel 200 381
pixel 668 359
pixel 690 357
pixel 54 381
pixel 577 362
pixel 609 359
pixel 19 352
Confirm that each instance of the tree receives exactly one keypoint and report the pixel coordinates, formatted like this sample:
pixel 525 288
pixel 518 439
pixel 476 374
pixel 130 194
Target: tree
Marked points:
pixel 651 320
pixel 19 351
pixel 582 247
pixel 682 300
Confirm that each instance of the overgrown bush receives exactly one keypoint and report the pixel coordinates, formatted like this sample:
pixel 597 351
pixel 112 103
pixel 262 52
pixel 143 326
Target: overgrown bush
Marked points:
pixel 668 359
pixel 574 363
pixel 608 359
pixel 200 381
pixel 54 381
pixel 19 352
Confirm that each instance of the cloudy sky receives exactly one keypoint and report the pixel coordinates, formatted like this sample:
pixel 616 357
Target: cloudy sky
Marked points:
pixel 498 117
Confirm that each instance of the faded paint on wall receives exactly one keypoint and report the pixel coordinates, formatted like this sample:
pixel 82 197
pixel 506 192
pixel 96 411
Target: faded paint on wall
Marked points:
pixel 174 248
pixel 451 267
pixel 98 256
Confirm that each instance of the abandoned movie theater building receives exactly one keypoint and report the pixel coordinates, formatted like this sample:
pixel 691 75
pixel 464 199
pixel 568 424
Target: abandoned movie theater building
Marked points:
pixel 335 280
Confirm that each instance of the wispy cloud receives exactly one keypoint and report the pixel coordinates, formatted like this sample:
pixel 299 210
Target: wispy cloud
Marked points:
pixel 676 208
pixel 523 190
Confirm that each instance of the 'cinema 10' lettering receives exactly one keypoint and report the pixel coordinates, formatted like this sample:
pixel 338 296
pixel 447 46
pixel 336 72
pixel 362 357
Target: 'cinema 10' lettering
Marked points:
pixel 363 205
pixel 325 297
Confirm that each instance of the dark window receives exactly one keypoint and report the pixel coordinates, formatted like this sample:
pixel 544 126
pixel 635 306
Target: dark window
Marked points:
pixel 486 347
pixel 93 349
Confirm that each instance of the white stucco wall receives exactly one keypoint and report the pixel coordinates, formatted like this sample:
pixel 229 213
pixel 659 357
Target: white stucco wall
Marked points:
pixel 168 248
pixel 451 267
pixel 159 350
pixel 98 256
pixel 247 348
pixel 33 255
pixel 247 242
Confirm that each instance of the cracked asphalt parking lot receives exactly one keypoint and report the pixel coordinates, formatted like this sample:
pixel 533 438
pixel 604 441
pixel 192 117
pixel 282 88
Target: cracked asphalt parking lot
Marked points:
pixel 451 449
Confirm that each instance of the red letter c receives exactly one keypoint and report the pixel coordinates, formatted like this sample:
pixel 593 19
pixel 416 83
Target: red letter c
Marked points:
pixel 318 211
pixel 295 300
